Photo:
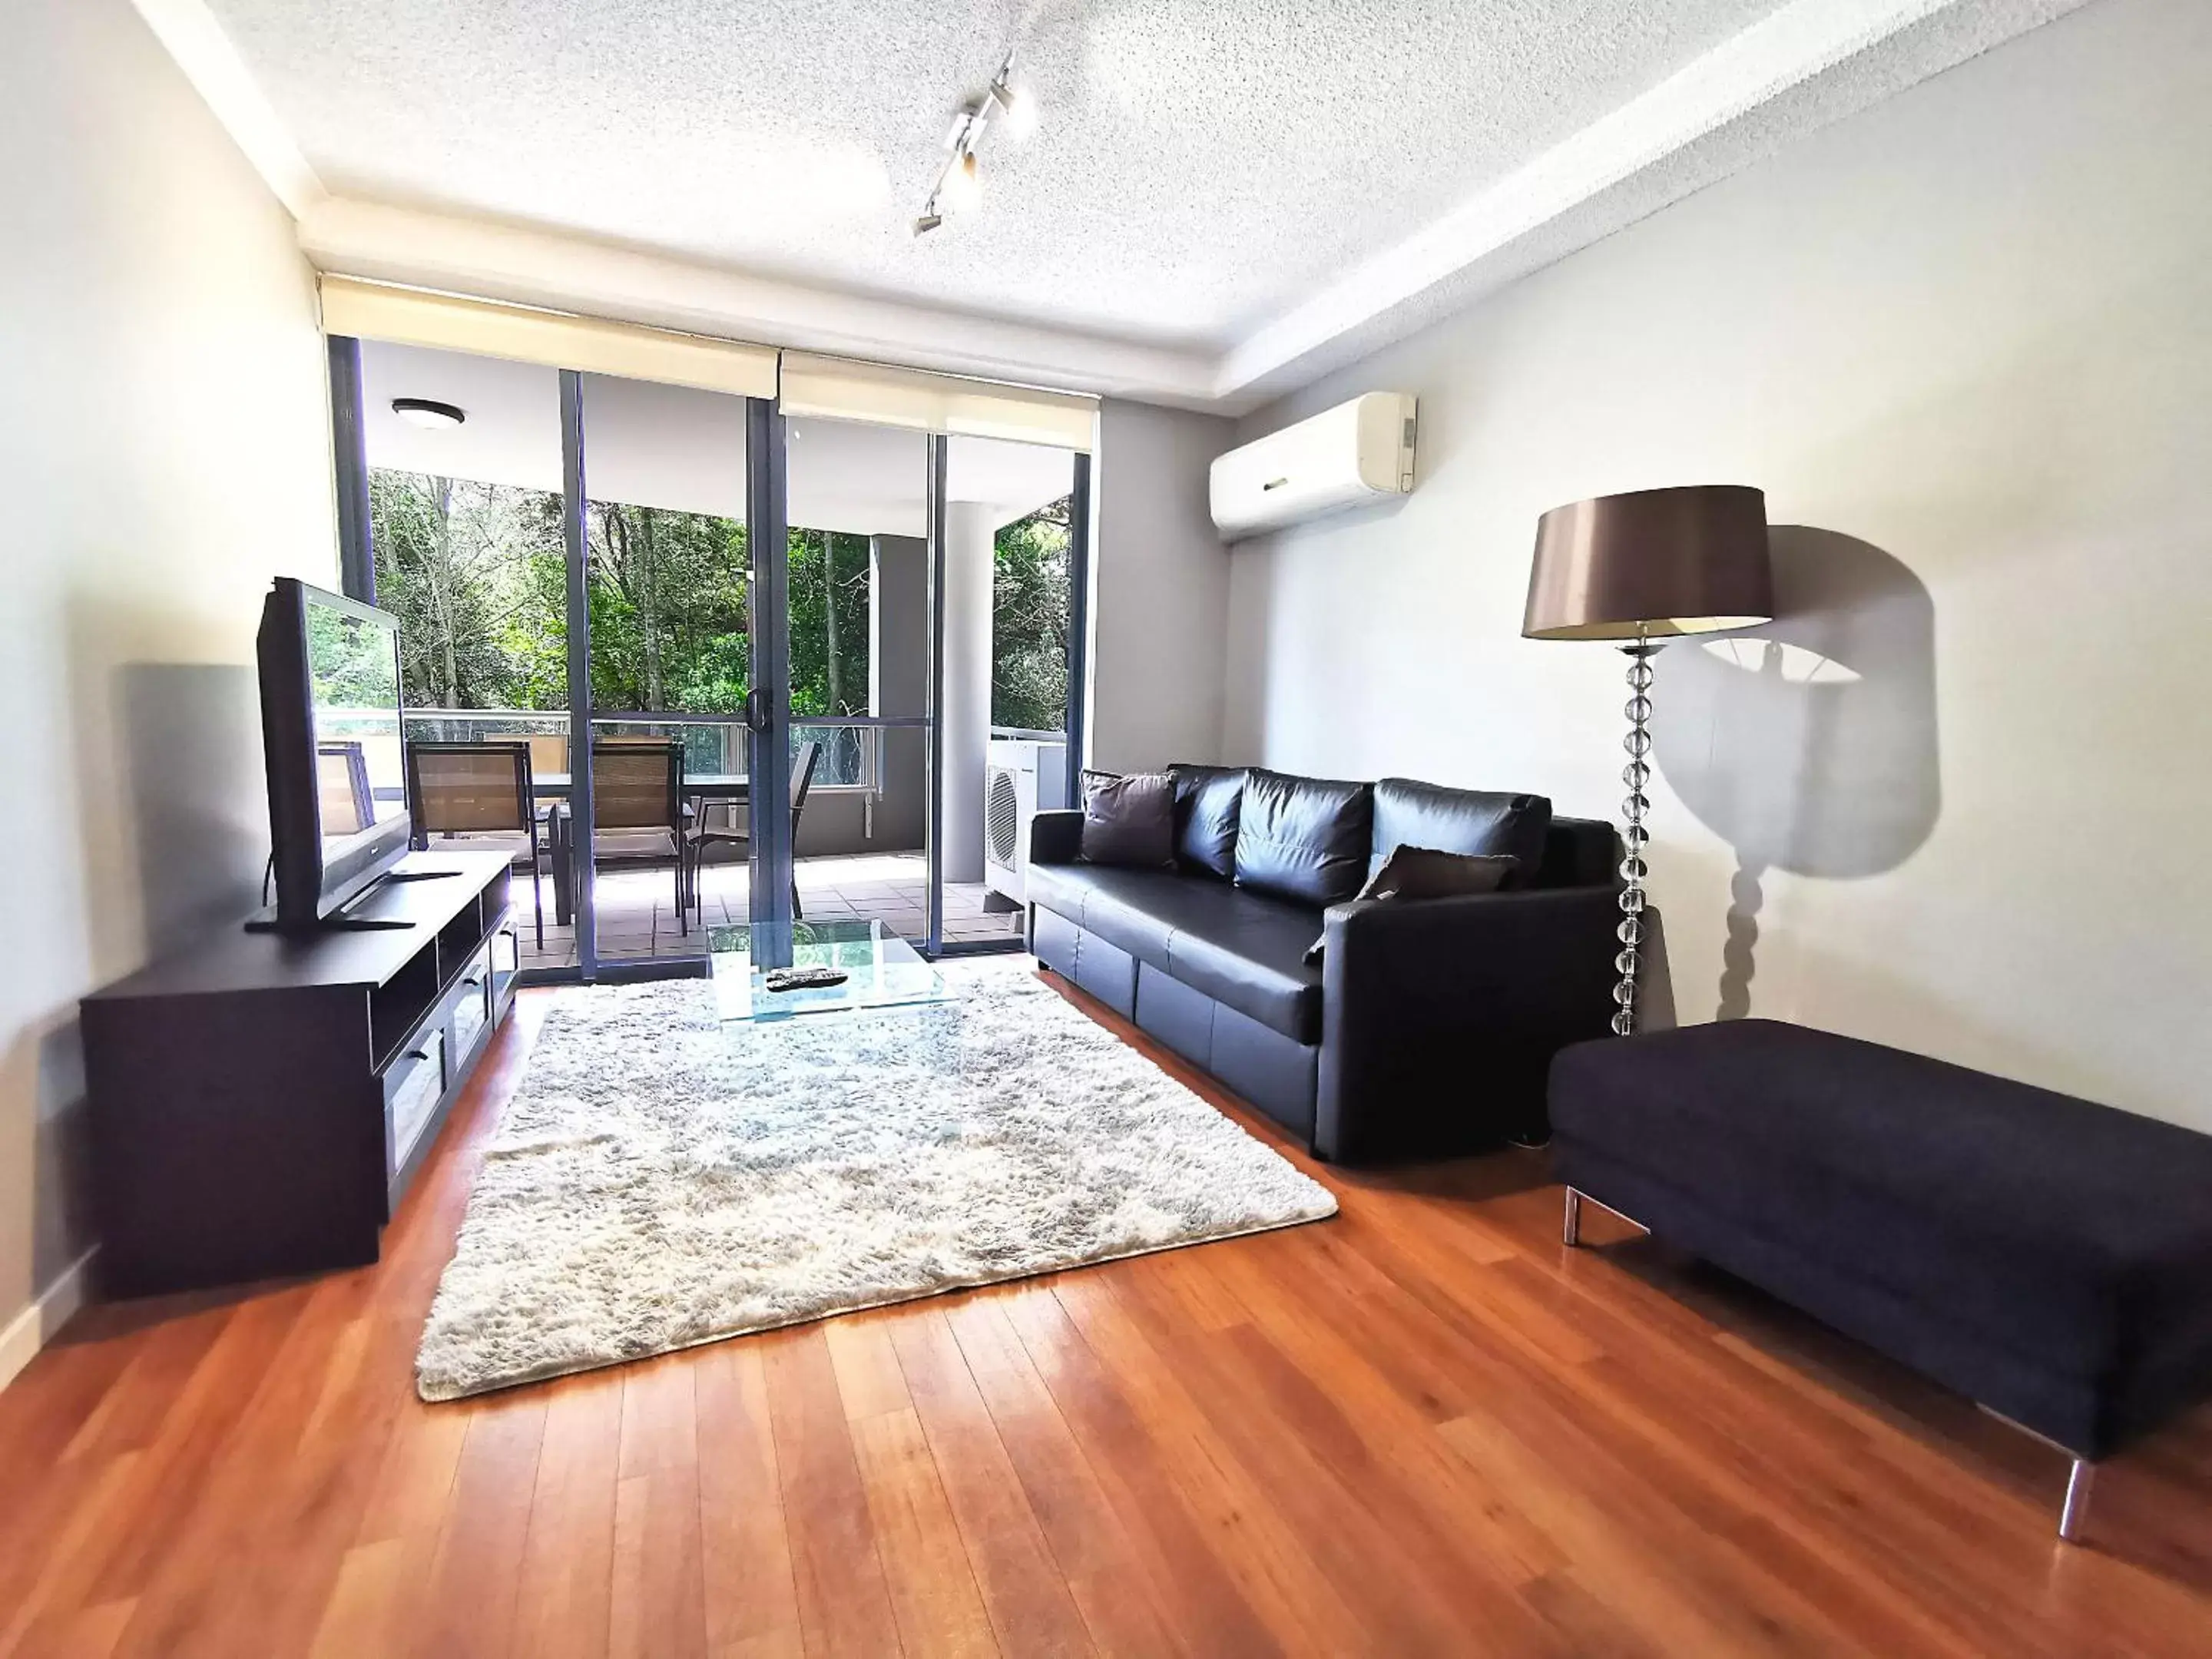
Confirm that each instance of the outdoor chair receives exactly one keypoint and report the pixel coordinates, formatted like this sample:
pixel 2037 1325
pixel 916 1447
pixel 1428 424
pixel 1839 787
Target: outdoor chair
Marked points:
pixel 483 790
pixel 637 797
pixel 342 786
pixel 720 824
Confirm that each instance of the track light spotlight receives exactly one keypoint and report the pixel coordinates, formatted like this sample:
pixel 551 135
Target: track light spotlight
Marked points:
pixel 962 186
pixel 1017 105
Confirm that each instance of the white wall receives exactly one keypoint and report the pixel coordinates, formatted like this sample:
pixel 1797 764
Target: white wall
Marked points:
pixel 1963 340
pixel 1159 589
pixel 164 450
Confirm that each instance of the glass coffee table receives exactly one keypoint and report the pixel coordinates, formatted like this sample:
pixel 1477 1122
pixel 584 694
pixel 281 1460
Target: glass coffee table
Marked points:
pixel 881 970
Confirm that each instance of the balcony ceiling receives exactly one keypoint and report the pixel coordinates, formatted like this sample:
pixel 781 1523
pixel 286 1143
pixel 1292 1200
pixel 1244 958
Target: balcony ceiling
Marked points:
pixel 1240 181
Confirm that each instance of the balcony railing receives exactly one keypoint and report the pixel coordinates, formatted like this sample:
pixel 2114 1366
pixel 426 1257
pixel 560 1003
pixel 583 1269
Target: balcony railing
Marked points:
pixel 714 745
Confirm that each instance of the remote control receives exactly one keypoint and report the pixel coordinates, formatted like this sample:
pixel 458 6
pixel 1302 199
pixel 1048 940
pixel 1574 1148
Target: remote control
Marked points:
pixel 803 979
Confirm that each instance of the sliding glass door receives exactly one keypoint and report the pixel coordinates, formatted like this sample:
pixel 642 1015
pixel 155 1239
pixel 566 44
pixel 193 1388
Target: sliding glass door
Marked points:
pixel 668 583
pixel 766 672
pixel 456 469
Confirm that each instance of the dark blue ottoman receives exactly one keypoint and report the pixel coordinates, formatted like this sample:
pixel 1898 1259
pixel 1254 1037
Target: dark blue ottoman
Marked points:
pixel 2048 1257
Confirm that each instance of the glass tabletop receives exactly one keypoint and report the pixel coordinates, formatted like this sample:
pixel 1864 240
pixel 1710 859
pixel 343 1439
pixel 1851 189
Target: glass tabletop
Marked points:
pixel 881 970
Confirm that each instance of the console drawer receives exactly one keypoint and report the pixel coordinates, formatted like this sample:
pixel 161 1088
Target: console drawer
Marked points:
pixel 413 1088
pixel 471 1003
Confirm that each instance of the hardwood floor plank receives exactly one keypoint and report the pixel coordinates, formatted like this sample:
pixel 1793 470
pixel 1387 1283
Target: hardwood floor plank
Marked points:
pixel 370 1597
pixel 1413 1587
pixel 1025 1591
pixel 89 1634
pixel 659 1415
pixel 1321 1587
pixel 1165 1494
pixel 751 1598
pixel 565 1585
pixel 1124 1607
pixel 415 1483
pixel 658 1605
pixel 869 1380
pixel 199 1599
pixel 468 1604
pixel 932 1587
pixel 844 1607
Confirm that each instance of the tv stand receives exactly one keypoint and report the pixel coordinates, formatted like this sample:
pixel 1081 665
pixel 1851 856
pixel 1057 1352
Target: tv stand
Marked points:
pixel 351 919
pixel 260 1104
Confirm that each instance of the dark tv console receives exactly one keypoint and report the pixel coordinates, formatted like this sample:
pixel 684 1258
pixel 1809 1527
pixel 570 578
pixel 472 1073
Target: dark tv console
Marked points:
pixel 260 1104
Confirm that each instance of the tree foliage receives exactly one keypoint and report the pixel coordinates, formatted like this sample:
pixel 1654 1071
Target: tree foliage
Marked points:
pixel 478 576
pixel 1029 616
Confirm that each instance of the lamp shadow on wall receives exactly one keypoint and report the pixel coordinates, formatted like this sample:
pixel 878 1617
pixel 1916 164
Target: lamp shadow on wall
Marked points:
pixel 1809 745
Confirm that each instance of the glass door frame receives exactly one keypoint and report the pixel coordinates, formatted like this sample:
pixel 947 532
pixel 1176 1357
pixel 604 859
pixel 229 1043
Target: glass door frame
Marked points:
pixel 768 703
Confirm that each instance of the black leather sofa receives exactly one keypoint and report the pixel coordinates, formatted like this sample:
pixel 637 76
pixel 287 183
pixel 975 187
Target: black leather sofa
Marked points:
pixel 1428 1027
pixel 2046 1256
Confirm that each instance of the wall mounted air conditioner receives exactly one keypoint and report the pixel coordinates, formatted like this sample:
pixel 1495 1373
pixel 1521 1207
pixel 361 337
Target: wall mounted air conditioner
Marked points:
pixel 1017 774
pixel 1357 452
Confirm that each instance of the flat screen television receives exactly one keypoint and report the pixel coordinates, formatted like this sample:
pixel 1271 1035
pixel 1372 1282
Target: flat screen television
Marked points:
pixel 331 729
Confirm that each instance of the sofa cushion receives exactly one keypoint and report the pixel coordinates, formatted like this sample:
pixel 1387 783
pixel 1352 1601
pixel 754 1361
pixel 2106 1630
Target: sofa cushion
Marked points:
pixel 1129 820
pixel 2071 1235
pixel 1206 801
pixel 1303 839
pixel 1579 852
pixel 1242 948
pixel 1408 813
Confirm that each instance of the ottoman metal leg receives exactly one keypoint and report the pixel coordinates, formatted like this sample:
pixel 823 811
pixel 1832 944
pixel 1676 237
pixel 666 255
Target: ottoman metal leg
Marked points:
pixel 1574 1229
pixel 2075 1515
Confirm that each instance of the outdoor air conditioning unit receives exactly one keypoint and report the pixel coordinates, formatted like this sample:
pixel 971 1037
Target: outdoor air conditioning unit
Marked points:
pixel 1017 774
pixel 1357 452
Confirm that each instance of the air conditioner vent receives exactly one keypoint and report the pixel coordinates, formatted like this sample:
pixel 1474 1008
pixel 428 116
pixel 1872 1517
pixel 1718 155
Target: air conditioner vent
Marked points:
pixel 1002 816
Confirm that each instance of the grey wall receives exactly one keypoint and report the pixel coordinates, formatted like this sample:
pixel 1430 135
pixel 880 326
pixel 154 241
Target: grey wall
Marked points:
pixel 1159 589
pixel 1953 798
pixel 164 450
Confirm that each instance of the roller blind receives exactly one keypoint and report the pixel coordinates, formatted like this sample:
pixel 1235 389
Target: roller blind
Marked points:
pixel 408 316
pixel 838 388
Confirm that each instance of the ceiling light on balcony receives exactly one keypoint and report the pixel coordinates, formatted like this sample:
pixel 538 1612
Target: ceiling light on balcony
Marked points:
pixel 426 412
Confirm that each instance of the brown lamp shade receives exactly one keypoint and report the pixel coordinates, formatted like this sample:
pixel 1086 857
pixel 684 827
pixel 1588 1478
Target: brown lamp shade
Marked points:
pixel 1658 562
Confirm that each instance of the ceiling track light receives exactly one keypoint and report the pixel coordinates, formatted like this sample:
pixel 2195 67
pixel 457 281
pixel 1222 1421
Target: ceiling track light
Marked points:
pixel 959 186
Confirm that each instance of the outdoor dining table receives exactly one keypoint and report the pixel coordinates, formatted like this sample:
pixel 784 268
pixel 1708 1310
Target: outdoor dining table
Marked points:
pixel 554 785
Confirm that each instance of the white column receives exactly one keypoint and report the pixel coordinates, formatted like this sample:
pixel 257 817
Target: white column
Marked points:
pixel 964 717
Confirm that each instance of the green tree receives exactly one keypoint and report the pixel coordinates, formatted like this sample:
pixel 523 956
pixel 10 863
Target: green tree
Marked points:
pixel 1030 608
pixel 831 578
pixel 463 567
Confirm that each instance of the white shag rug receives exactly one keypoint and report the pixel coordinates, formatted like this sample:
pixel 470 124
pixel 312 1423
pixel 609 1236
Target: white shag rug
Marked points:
pixel 662 1180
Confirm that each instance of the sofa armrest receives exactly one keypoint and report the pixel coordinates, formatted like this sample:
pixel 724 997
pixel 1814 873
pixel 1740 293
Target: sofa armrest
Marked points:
pixel 1440 1017
pixel 1056 837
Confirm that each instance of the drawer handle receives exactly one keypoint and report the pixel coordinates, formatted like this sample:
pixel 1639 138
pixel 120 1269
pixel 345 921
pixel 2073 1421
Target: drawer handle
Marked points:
pixel 473 979
pixel 418 1054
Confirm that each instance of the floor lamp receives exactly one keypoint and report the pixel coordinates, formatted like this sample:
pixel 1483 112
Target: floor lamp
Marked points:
pixel 1640 570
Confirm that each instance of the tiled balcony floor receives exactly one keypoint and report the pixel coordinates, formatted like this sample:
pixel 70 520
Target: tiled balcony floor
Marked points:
pixel 637 906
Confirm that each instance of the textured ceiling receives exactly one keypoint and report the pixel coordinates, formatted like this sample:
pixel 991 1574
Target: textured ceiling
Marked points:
pixel 1201 164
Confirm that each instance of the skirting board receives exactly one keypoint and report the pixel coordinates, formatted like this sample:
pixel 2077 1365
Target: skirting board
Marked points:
pixel 33 1328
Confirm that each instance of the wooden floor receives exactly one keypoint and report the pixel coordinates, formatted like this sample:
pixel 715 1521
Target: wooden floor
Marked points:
pixel 1421 1427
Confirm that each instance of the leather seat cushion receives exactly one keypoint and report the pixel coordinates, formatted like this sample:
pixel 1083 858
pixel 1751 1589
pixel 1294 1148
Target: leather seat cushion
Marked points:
pixel 1304 839
pixel 1242 948
pixel 1482 822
